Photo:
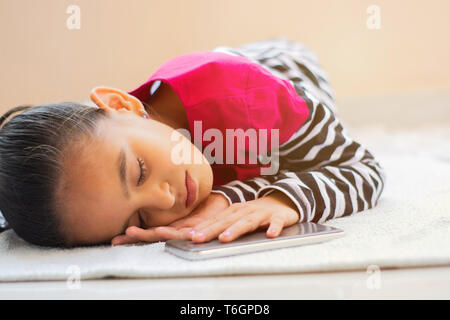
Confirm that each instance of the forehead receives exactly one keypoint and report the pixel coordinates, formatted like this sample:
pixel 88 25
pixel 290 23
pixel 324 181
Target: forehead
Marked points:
pixel 90 190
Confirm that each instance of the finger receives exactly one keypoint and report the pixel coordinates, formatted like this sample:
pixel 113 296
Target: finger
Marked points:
pixel 158 233
pixel 173 233
pixel 145 235
pixel 123 239
pixel 194 218
pixel 208 208
pixel 230 211
pixel 186 222
pixel 275 227
pixel 217 226
pixel 247 224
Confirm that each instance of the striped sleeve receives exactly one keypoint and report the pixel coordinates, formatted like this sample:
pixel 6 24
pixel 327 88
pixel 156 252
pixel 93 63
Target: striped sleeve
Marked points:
pixel 322 170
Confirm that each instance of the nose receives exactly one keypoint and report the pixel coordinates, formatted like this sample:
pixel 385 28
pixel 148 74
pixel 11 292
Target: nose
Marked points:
pixel 162 196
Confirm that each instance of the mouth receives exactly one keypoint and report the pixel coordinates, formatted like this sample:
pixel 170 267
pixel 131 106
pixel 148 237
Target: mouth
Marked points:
pixel 191 190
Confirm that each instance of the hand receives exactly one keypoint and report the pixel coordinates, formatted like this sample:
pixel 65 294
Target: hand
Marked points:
pixel 275 210
pixel 179 229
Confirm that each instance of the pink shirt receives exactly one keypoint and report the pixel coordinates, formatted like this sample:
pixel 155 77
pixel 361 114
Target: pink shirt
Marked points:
pixel 230 92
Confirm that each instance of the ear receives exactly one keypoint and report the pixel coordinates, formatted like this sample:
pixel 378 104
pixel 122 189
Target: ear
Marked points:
pixel 111 99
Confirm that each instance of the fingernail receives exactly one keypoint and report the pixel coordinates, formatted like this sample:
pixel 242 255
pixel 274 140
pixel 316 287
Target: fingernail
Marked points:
pixel 199 235
pixel 225 234
pixel 192 232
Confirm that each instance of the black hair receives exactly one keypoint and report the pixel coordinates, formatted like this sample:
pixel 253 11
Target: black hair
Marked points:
pixel 32 146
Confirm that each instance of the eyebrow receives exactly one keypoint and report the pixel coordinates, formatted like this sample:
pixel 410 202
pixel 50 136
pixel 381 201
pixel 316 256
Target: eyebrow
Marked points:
pixel 122 167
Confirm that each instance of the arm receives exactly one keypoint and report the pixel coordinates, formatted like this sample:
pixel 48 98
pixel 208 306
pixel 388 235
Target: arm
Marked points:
pixel 325 173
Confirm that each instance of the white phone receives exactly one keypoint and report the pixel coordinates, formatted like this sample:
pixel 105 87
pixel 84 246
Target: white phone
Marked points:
pixel 296 235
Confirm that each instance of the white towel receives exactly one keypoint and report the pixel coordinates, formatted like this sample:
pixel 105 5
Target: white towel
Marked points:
pixel 409 228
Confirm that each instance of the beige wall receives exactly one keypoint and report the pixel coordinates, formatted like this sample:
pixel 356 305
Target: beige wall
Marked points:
pixel 121 42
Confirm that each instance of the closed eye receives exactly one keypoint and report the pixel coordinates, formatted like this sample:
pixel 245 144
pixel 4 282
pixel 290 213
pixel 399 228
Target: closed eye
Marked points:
pixel 143 171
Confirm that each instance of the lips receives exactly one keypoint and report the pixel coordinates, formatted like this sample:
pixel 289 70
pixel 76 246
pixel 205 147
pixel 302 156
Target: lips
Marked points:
pixel 191 190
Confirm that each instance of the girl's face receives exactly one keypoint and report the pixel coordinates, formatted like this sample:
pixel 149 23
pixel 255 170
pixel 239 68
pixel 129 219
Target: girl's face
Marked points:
pixel 125 176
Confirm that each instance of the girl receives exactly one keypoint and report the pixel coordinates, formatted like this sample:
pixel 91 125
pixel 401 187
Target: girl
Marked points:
pixel 76 174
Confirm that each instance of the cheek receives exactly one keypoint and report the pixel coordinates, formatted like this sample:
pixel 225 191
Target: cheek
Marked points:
pixel 165 218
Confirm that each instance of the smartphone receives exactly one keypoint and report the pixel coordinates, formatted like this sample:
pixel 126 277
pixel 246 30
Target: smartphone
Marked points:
pixel 296 235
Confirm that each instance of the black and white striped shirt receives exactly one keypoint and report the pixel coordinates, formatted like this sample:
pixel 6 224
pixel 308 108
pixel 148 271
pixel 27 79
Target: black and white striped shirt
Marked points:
pixel 322 170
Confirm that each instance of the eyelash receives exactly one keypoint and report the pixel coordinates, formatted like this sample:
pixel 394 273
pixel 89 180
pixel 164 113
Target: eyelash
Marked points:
pixel 142 176
pixel 143 171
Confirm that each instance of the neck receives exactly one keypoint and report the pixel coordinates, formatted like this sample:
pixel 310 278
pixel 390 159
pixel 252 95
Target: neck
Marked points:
pixel 173 122
pixel 165 106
